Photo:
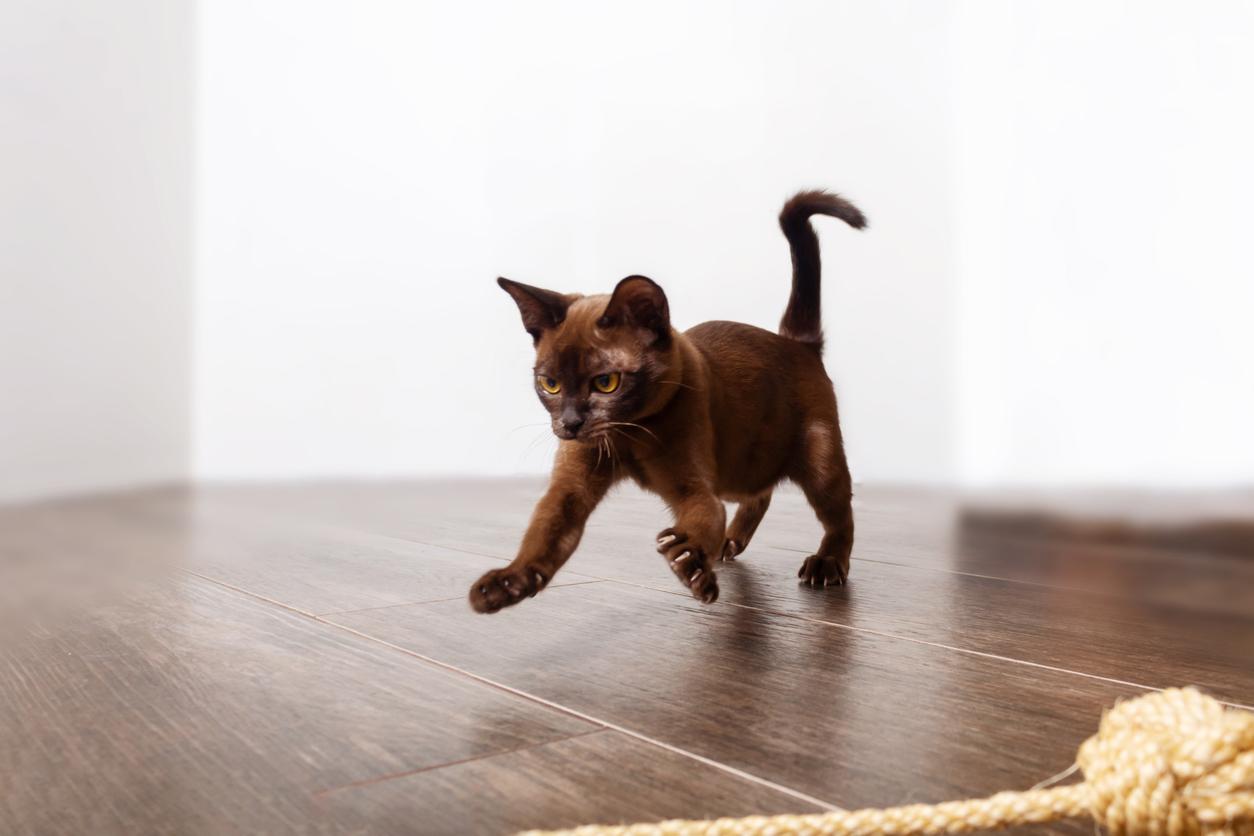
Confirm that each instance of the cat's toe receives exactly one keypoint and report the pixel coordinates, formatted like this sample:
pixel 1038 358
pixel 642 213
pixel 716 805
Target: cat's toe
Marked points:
pixel 820 570
pixel 704 586
pixel 486 594
pixel 669 540
pixel 673 545
pixel 689 564
pixel 731 548
pixel 501 588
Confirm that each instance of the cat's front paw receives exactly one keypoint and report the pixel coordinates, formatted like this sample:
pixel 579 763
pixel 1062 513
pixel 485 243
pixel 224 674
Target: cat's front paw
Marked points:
pixel 689 564
pixel 820 570
pixel 505 587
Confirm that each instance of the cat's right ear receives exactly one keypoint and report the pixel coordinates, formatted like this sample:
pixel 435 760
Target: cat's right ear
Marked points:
pixel 541 309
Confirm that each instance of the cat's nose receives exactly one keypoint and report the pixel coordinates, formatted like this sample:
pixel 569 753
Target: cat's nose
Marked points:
pixel 572 425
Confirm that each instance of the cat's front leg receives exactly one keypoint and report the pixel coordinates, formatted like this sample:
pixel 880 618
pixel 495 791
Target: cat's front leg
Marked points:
pixel 695 541
pixel 578 483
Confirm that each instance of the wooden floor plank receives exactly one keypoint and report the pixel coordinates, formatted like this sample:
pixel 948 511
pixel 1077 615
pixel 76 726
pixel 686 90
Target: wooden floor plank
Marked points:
pixel 214 709
pixel 298 559
pixel 316 569
pixel 187 708
pixel 605 778
pixel 1112 637
pixel 1084 619
pixel 936 530
pixel 848 717
pixel 911 527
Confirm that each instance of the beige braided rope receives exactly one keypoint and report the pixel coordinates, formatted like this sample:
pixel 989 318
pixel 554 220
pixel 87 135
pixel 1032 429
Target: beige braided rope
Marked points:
pixel 1170 763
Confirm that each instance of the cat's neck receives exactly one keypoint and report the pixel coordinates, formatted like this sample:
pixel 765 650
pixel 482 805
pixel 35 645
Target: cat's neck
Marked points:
pixel 682 364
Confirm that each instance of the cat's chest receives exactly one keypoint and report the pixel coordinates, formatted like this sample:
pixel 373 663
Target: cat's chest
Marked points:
pixel 637 473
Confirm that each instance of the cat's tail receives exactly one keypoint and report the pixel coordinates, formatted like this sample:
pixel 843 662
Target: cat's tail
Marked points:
pixel 802 318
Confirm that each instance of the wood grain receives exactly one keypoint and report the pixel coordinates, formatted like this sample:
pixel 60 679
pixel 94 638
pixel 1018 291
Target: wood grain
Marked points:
pixel 186 708
pixel 939 531
pixel 301 559
pixel 604 777
pixel 1108 636
pixel 909 527
pixel 847 717
pixel 1082 611
pixel 151 701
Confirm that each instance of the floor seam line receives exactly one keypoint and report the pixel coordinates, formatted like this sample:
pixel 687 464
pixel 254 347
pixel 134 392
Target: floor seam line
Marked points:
pixel 777 613
pixel 789 549
pixel 251 594
pixel 936 569
pixel 602 724
pixel 393 776
pixel 605 724
pixel 440 600
pixel 938 645
pixel 1007 580
pixel 389 606
pixel 405 539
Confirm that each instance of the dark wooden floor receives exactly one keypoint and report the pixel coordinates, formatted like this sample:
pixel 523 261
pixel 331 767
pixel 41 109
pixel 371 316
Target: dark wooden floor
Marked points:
pixel 302 659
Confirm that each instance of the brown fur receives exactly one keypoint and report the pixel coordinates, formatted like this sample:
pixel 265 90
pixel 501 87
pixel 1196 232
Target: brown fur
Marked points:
pixel 723 411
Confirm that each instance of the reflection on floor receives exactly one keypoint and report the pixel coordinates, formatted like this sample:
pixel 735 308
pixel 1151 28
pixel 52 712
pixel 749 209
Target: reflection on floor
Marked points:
pixel 302 658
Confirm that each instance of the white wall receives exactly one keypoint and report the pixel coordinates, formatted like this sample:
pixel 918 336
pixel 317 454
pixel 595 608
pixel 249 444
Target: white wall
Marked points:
pixel 1056 286
pixel 95 176
pixel 1105 181
pixel 366 170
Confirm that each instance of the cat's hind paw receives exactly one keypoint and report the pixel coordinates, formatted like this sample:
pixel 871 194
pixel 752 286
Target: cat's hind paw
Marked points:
pixel 819 570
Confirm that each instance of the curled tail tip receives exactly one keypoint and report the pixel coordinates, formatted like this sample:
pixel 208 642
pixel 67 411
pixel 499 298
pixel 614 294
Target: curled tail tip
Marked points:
pixel 802 319
pixel 803 204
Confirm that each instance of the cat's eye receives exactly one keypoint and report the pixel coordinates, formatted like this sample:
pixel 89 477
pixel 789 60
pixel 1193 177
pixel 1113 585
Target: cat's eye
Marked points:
pixel 606 383
pixel 549 384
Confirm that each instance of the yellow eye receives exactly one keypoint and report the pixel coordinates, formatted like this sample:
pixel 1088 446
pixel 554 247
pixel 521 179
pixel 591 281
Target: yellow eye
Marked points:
pixel 550 385
pixel 606 383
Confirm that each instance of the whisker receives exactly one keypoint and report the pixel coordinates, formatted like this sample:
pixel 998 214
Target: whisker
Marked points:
pixel 677 383
pixel 539 437
pixel 525 426
pixel 623 433
pixel 637 426
pixel 616 462
pixel 609 445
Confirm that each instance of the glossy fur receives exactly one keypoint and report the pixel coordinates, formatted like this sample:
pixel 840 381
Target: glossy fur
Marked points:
pixel 720 412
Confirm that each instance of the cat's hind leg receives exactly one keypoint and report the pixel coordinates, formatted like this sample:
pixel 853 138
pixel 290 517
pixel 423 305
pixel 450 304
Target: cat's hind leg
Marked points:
pixel 749 514
pixel 823 475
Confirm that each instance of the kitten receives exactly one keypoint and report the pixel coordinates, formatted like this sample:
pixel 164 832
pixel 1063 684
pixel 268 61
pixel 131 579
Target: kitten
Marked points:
pixel 722 411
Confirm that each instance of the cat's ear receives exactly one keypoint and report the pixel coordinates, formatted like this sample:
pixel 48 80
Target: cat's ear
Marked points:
pixel 637 301
pixel 541 309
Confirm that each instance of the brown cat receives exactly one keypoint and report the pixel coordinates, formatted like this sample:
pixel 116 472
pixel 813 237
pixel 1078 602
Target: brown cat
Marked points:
pixel 722 411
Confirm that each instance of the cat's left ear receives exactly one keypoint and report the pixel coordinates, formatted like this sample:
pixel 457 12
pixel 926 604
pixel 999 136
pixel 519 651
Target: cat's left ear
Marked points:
pixel 541 309
pixel 638 301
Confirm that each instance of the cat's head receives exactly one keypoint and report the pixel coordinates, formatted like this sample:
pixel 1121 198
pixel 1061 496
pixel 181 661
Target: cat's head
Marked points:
pixel 602 362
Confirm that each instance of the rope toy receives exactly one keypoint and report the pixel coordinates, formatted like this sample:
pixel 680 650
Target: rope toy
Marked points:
pixel 1170 763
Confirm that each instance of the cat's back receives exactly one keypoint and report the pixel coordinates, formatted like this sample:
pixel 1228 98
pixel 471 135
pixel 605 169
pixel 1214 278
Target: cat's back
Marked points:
pixel 730 347
pixel 759 375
